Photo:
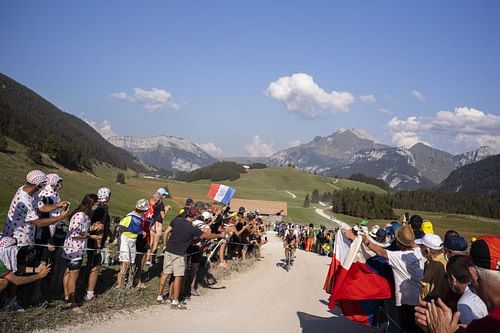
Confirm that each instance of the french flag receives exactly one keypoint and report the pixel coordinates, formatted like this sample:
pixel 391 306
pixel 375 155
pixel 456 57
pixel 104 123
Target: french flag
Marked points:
pixel 355 284
pixel 221 193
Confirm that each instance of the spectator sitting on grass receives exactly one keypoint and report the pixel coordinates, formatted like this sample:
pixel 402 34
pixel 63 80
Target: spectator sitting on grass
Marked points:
pixel 7 276
pixel 130 227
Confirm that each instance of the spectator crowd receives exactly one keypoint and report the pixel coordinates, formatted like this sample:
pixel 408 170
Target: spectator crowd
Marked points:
pixel 52 248
pixel 439 284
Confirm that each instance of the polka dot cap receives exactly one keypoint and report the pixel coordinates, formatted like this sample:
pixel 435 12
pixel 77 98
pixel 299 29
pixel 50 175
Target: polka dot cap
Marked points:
pixel 36 177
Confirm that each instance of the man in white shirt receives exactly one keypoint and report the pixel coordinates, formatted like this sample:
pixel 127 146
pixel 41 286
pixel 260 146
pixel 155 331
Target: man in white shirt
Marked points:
pixel 470 306
pixel 408 268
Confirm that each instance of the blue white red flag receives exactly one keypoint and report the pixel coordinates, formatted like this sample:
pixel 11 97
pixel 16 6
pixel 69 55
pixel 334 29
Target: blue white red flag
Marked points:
pixel 221 193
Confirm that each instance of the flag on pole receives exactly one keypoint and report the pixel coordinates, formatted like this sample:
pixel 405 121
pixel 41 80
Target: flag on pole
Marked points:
pixel 354 285
pixel 221 193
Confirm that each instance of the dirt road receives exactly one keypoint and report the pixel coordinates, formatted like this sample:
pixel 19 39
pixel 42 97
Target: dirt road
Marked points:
pixel 266 298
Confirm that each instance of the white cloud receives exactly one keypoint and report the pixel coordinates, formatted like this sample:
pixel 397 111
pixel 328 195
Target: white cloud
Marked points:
pixel 257 148
pixel 418 95
pixel 294 143
pixel 386 111
pixel 368 98
pixel 104 129
pixel 303 96
pixel 212 149
pixel 464 127
pixel 151 99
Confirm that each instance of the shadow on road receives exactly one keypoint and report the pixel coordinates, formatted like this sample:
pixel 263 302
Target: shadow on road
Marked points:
pixel 315 324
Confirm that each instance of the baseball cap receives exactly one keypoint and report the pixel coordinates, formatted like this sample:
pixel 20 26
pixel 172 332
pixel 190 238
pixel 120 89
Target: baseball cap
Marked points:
pixel 363 223
pixel 206 215
pixel 162 191
pixel 189 202
pixel 431 241
pixel 455 243
pixel 193 212
pixel 427 227
pixel 485 252
pixel 36 177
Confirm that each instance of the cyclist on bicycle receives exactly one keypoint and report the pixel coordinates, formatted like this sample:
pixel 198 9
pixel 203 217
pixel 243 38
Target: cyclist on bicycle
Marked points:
pixel 290 242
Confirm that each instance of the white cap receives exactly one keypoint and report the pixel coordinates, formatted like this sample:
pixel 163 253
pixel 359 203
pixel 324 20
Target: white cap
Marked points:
pixel 431 241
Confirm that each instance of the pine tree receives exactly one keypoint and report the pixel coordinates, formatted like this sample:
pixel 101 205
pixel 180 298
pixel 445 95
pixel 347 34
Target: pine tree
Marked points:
pixel 307 201
pixel 120 178
pixel 315 196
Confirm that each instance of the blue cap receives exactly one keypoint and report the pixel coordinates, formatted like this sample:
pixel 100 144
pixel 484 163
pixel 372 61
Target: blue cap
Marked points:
pixel 455 243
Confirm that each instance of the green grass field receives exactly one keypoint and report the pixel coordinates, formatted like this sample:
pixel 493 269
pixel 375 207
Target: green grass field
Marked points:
pixel 262 184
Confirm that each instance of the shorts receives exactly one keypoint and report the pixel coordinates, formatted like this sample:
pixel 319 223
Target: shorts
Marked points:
pixel 194 252
pixel 141 244
pixel 156 229
pixel 26 256
pixel 174 264
pixel 128 250
pixel 94 258
pixel 74 264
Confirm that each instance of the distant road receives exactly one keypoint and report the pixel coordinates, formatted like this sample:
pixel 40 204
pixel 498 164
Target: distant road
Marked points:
pixel 291 194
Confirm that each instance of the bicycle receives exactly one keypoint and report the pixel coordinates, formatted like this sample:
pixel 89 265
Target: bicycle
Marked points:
pixel 289 257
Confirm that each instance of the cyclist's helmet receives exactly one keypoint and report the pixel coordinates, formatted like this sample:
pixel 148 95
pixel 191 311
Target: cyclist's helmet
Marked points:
pixel 103 194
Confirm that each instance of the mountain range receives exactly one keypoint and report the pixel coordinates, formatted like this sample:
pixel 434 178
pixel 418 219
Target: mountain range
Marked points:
pixel 166 152
pixel 350 151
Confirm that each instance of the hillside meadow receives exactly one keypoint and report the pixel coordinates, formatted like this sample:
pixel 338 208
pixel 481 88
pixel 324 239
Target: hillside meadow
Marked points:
pixel 277 184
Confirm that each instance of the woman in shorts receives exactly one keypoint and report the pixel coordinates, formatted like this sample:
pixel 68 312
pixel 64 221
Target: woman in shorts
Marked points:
pixel 75 245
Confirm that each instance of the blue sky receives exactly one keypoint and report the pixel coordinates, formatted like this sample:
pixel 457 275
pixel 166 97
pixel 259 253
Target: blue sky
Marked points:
pixel 254 77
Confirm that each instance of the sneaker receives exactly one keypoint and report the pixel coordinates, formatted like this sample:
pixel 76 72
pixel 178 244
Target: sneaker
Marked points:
pixel 148 263
pixel 195 292
pixel 86 298
pixel 14 306
pixel 178 306
pixel 159 299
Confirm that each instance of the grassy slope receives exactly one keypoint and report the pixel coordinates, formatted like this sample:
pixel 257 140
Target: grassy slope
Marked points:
pixel 266 184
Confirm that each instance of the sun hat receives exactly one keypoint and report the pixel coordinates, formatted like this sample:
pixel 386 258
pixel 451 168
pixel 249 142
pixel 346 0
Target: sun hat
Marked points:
pixel 455 243
pixel 431 241
pixel 405 235
pixel 485 252
pixel 53 178
pixel 142 204
pixel 427 227
pixel 36 177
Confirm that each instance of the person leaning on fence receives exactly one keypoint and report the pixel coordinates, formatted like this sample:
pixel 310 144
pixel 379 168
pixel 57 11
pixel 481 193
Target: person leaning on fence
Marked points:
pixel 180 234
pixel 100 223
pixel 21 223
pixel 129 228
pixel 75 245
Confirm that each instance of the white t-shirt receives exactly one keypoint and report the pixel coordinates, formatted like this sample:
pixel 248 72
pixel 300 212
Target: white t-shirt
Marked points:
pixel 471 307
pixel 21 213
pixel 408 269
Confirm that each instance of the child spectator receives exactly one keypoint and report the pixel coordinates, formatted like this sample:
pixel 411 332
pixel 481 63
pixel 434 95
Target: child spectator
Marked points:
pixel 74 246
pixel 130 227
